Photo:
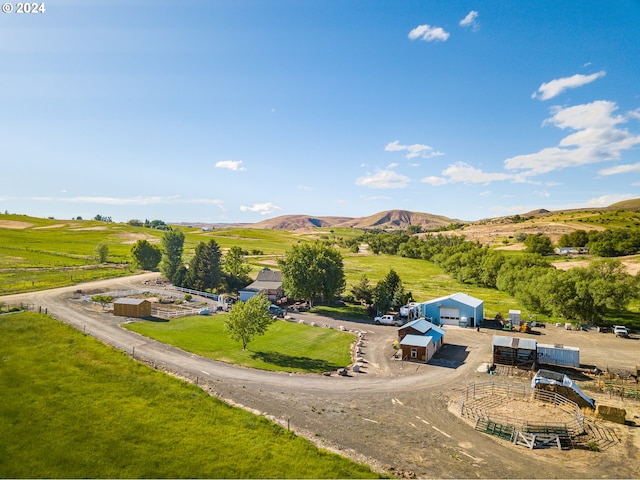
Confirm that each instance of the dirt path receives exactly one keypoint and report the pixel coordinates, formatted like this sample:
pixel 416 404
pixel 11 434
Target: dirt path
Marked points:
pixel 394 415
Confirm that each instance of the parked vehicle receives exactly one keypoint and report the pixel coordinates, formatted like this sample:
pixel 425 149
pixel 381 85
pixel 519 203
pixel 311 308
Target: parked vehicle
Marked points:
pixel 620 331
pixel 276 311
pixel 387 320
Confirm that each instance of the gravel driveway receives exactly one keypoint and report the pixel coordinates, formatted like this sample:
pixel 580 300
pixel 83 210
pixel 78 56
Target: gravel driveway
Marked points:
pixel 393 415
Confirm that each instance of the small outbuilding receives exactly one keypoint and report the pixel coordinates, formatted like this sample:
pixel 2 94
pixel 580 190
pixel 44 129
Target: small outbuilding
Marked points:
pixel 132 307
pixel 420 340
pixel 514 351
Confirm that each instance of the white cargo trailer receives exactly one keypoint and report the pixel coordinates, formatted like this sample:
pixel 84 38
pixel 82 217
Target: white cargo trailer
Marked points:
pixel 558 354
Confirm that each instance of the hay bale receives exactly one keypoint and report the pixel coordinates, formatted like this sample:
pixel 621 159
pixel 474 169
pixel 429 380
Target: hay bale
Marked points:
pixel 611 414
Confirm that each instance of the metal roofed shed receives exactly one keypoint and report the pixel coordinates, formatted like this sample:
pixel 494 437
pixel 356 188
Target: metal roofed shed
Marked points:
pixel 514 351
pixel 418 348
pixel 559 355
pixel 457 309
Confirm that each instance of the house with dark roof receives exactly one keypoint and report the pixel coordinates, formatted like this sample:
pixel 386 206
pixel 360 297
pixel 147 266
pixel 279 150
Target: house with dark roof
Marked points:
pixel 268 282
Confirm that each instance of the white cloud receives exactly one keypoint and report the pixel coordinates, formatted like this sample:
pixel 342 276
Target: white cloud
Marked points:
pixel 383 179
pixel 261 208
pixel 231 165
pixel 461 172
pixel 597 138
pixel 133 200
pixel 435 181
pixel 618 169
pixel 415 150
pixel 428 33
pixel 606 200
pixel 376 197
pixel 304 187
pixel 542 193
pixel 470 21
pixel 555 87
pixel 392 165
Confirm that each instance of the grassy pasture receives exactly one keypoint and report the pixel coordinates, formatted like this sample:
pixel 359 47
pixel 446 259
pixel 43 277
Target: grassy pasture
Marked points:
pixel 286 346
pixel 423 279
pixel 71 407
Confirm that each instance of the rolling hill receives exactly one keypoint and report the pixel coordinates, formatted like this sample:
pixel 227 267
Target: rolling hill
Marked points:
pixel 390 219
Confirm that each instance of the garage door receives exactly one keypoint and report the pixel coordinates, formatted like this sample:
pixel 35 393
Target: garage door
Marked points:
pixel 449 316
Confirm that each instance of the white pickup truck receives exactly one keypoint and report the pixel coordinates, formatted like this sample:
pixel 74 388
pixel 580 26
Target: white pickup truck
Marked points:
pixel 620 331
pixel 387 320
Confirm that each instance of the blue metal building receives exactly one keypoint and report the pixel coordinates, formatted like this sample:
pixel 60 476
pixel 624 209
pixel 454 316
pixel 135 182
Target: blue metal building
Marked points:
pixel 456 309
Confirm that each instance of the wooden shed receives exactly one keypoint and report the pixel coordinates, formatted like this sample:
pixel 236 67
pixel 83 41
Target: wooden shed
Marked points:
pixel 132 307
pixel 420 340
pixel 515 352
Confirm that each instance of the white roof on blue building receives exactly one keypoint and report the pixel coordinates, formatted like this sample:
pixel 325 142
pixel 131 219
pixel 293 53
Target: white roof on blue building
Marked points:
pixel 459 297
pixel 416 340
pixel 422 325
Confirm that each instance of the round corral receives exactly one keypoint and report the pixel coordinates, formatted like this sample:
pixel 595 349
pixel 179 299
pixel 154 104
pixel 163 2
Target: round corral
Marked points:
pixel 508 409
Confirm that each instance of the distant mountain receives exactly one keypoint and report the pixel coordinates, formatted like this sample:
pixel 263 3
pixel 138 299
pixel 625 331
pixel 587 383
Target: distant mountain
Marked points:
pixel 398 219
pixel 297 222
pixel 391 219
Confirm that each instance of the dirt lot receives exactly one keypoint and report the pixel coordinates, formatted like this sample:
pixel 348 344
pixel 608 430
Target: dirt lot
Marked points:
pixel 393 415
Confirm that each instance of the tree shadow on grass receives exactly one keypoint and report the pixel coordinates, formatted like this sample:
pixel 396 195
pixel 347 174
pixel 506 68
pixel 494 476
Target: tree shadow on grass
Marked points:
pixel 298 363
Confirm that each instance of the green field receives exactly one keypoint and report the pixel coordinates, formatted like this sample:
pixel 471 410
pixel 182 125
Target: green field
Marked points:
pixel 71 407
pixel 286 346
pixel 37 254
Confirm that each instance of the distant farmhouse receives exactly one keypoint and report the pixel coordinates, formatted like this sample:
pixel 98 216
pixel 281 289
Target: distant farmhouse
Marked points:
pixel 268 282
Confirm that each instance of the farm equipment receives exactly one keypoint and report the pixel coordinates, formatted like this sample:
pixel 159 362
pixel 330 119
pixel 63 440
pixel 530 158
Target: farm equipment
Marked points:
pixel 525 327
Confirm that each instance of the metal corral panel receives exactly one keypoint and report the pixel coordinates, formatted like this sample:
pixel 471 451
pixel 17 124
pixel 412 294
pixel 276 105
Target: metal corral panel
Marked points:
pixel 559 355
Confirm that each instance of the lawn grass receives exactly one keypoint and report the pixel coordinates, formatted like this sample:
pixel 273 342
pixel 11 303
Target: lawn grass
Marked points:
pixel 71 407
pixel 286 346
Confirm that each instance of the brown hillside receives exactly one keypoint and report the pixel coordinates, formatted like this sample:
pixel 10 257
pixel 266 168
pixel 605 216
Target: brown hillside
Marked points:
pixel 298 222
pixel 398 219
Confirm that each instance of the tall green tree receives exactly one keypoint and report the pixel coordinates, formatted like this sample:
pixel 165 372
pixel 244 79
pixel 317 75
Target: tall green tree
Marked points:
pixel 389 292
pixel 248 319
pixel 172 248
pixel 312 270
pixel 102 252
pixel 363 290
pixel 236 269
pixel 145 255
pixel 205 268
pixel 538 243
pixel 583 294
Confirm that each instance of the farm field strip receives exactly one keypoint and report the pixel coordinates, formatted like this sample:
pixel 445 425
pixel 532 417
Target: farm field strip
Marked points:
pixel 71 407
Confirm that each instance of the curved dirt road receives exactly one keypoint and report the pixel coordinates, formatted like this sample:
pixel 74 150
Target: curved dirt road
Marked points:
pixel 393 416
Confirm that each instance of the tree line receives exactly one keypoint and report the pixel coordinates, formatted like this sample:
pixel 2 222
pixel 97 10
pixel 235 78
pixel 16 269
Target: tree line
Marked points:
pixel 585 294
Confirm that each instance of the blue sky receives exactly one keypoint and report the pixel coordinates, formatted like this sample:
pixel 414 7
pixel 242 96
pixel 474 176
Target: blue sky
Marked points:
pixel 241 110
